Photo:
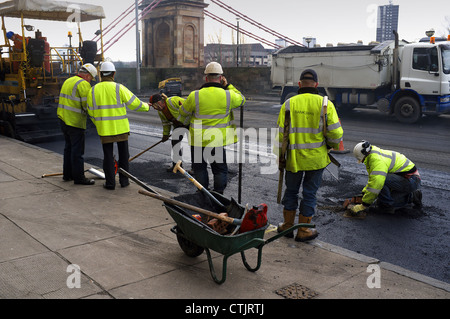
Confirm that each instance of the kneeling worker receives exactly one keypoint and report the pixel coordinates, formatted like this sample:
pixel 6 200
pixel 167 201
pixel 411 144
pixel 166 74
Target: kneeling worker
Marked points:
pixel 394 180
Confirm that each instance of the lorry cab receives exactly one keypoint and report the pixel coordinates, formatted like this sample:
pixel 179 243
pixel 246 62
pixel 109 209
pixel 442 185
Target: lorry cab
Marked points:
pixel 425 68
pixel 425 73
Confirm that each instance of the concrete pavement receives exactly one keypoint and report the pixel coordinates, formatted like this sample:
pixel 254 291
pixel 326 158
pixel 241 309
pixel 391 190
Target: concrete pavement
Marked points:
pixel 60 240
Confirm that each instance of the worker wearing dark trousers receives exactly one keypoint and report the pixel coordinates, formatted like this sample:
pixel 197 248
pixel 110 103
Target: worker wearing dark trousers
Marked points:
pixel 73 162
pixel 217 158
pixel 109 162
pixel 209 113
pixel 73 115
pixel 107 104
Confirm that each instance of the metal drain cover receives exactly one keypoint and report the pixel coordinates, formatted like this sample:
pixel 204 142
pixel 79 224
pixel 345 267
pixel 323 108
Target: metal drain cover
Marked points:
pixel 296 291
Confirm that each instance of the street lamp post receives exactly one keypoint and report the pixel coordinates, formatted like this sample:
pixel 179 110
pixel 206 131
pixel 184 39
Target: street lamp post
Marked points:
pixel 138 51
pixel 237 47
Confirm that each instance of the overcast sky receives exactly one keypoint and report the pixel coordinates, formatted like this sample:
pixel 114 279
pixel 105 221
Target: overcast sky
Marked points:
pixel 327 20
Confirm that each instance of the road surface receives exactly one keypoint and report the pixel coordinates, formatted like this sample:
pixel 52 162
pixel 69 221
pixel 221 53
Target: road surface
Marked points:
pixel 416 240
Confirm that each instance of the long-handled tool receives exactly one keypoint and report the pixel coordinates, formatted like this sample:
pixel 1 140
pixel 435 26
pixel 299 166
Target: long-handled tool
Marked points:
pixel 137 181
pixel 241 143
pixel 284 145
pixel 136 156
pixel 178 168
pixel 233 209
pixel 196 209
pixel 254 219
pixel 325 124
pixel 90 170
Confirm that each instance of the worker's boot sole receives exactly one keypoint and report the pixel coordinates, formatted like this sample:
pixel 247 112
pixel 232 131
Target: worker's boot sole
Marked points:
pixel 307 238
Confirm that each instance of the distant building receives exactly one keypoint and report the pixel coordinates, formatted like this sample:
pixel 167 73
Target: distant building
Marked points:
pixel 281 42
pixel 252 54
pixel 387 22
pixel 172 34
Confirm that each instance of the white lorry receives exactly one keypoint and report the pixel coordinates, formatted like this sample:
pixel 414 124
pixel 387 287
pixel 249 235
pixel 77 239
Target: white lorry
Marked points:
pixel 400 78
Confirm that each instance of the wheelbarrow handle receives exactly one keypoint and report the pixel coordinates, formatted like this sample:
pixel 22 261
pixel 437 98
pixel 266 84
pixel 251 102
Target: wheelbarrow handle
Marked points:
pixel 290 229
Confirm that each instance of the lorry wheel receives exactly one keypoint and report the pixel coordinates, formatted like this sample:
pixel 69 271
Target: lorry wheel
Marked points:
pixel 407 110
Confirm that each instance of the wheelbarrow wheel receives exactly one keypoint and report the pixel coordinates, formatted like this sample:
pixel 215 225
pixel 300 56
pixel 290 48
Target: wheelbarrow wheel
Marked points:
pixel 187 246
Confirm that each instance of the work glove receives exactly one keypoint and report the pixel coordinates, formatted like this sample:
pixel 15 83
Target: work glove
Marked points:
pixel 165 138
pixel 358 209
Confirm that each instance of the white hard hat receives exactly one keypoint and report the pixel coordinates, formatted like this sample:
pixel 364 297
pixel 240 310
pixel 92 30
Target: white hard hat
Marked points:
pixel 361 150
pixel 213 68
pixel 90 68
pixel 107 67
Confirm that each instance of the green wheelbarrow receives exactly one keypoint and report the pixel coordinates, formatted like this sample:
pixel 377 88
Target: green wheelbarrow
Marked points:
pixel 194 237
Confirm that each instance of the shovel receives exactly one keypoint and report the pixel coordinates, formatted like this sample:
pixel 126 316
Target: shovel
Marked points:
pixel 233 209
pixel 284 147
pixel 196 209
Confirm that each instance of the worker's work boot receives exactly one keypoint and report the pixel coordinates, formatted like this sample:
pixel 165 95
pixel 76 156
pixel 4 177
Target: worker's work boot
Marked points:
pixel 84 181
pixel 305 233
pixel 417 199
pixel 289 218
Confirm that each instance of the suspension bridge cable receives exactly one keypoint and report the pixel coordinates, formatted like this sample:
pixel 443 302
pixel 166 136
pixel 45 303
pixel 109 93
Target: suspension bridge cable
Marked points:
pixel 251 21
pixel 143 14
pixel 243 31
pixel 110 26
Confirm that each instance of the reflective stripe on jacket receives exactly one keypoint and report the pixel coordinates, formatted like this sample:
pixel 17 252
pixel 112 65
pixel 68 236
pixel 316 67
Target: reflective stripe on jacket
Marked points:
pixel 107 102
pixel 173 104
pixel 307 148
pixel 72 102
pixel 210 114
pixel 379 163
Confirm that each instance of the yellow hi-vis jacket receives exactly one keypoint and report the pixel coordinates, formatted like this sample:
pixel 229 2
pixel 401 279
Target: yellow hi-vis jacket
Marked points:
pixel 107 102
pixel 210 113
pixel 173 104
pixel 72 102
pixel 379 163
pixel 307 149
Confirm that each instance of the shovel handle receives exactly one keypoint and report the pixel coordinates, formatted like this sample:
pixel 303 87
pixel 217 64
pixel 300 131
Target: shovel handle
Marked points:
pixel 191 207
pixel 284 146
pixel 54 174
pixel 178 167
pixel 147 149
pixel 280 186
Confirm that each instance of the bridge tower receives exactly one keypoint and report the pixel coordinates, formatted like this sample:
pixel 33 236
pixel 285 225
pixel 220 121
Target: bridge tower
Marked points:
pixel 173 34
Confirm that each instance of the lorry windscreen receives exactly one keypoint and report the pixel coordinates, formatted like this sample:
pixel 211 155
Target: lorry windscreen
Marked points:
pixel 445 49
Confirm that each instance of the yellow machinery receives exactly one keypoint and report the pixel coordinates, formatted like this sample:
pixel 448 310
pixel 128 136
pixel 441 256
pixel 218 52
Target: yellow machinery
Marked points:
pixel 170 87
pixel 32 72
